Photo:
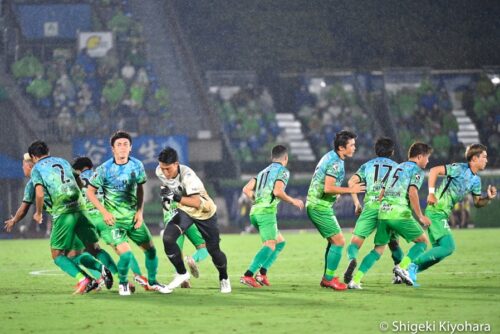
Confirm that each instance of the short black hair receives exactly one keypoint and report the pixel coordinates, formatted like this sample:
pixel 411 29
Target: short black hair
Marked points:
pixel 168 156
pixel 278 152
pixel 384 147
pixel 38 148
pixel 81 162
pixel 118 135
pixel 342 137
pixel 419 148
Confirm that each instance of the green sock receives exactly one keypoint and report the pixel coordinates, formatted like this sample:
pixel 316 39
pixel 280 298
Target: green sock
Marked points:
pixel 368 261
pixel 123 265
pixel 415 251
pixel 358 276
pixel 107 260
pixel 274 255
pixel 68 266
pixel 134 266
pixel 89 261
pixel 352 251
pixel 200 254
pixel 261 257
pixel 151 264
pixel 95 273
pixel 397 255
pixel 333 256
pixel 444 247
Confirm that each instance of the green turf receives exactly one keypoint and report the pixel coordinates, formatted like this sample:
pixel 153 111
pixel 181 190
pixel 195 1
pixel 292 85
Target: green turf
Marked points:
pixel 465 287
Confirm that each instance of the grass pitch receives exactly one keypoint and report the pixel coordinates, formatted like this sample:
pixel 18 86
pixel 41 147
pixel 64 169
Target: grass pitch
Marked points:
pixel 463 288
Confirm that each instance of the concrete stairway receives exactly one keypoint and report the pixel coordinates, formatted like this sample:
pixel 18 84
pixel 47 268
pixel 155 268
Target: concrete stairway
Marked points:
pixel 291 132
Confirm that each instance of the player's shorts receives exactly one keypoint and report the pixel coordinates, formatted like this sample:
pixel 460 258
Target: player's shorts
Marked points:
pixel 123 230
pixel 324 220
pixel 68 225
pixel 367 223
pixel 409 229
pixel 208 228
pixel 98 221
pixel 193 234
pixel 439 227
pixel 267 225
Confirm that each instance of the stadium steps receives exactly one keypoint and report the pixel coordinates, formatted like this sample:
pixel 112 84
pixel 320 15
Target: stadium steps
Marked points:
pixel 291 131
pixel 467 131
pixel 170 67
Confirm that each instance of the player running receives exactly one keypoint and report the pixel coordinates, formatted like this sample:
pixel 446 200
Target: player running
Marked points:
pixel 267 189
pixel 326 185
pixel 182 187
pixel 461 179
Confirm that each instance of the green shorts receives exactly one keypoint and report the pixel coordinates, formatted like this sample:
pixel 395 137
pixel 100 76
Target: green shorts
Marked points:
pixel 367 223
pixel 409 229
pixel 67 226
pixel 98 222
pixel 267 225
pixel 121 231
pixel 439 227
pixel 324 220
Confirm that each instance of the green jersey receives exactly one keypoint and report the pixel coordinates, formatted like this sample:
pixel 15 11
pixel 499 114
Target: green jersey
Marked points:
pixel 332 165
pixel 460 181
pixel 119 186
pixel 265 201
pixel 396 202
pixel 62 194
pixel 85 177
pixel 29 195
pixel 374 174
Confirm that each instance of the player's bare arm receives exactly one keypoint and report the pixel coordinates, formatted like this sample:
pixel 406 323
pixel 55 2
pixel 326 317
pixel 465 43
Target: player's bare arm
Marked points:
pixel 491 193
pixel 138 217
pixel 357 205
pixel 279 191
pixel 20 214
pixel 106 215
pixel 415 205
pixel 39 194
pixel 331 188
pixel 433 175
pixel 248 189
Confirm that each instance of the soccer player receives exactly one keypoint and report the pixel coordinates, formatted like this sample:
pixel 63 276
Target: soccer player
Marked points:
pixel 76 254
pixel 83 166
pixel 182 186
pixel 399 196
pixel 192 233
pixel 461 179
pixel 267 189
pixel 121 179
pixel 373 173
pixel 326 185
pixel 53 177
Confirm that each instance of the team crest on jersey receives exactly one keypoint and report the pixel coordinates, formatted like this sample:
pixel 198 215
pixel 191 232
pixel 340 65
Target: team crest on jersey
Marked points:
pixel 417 177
